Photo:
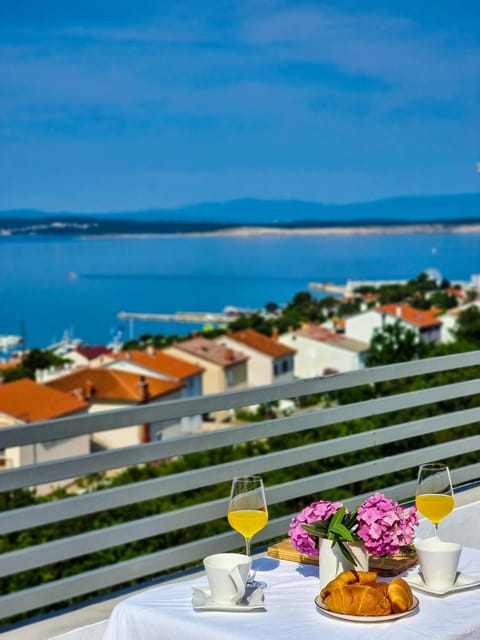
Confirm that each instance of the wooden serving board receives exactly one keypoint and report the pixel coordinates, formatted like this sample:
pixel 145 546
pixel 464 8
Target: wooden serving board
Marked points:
pixel 386 567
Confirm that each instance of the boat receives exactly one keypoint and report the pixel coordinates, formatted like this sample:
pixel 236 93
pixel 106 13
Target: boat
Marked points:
pixel 9 342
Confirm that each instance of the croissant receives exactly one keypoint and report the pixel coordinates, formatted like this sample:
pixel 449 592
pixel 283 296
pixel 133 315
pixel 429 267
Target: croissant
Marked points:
pixel 400 595
pixel 358 593
pixel 359 600
pixel 346 578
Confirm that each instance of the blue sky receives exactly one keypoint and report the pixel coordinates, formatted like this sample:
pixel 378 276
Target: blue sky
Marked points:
pixel 117 105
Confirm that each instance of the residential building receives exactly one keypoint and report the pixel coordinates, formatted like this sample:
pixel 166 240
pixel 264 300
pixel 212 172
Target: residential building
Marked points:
pixel 76 356
pixel 320 351
pixel 106 389
pixel 225 368
pixel 269 360
pixel 424 323
pixel 449 321
pixel 26 402
pixel 158 364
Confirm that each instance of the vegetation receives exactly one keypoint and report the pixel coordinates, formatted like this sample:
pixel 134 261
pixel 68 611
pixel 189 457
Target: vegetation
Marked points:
pixel 30 362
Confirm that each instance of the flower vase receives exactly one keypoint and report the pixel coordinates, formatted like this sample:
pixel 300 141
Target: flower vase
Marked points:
pixel 332 561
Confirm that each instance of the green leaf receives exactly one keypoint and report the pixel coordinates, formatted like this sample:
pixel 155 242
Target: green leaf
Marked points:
pixel 346 553
pixel 342 531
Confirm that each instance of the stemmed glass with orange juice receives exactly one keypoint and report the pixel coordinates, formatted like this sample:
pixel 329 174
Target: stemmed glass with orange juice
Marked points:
pixel 434 497
pixel 247 510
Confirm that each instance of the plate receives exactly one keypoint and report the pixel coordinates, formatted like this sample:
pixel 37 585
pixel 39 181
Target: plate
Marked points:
pixel 202 601
pixel 462 581
pixel 344 616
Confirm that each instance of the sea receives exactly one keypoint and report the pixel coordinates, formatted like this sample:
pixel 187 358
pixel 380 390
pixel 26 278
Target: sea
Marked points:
pixel 54 287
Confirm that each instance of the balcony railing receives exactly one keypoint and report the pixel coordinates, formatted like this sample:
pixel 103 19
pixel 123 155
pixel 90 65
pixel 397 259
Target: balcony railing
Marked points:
pixel 456 405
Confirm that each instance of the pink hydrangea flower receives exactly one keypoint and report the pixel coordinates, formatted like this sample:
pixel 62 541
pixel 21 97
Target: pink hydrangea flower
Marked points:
pixel 384 525
pixel 306 542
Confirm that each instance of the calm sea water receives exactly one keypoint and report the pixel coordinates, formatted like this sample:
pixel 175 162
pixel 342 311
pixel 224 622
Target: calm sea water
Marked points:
pixel 168 274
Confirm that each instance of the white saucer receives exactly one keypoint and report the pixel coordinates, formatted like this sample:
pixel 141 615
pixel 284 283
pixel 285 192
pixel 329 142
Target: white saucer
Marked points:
pixel 202 601
pixel 462 581
pixel 344 616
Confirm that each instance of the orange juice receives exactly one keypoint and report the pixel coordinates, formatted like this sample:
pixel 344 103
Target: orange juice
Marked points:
pixel 247 522
pixel 434 506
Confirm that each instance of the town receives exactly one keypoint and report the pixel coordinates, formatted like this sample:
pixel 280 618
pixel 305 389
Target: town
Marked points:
pixel 310 337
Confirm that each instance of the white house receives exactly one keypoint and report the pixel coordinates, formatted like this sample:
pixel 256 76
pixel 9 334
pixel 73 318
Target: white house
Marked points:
pixel 320 351
pixel 269 360
pixel 424 323
pixel 76 356
pixel 449 321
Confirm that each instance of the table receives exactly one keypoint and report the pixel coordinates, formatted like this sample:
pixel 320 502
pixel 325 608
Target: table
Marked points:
pixel 165 612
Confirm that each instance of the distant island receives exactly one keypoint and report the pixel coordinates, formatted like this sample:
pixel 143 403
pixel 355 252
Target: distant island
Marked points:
pixel 414 214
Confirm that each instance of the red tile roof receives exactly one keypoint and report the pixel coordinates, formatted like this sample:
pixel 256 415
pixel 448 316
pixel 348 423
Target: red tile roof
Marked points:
pixel 162 362
pixel 109 385
pixel 260 342
pixel 31 402
pixel 408 314
pixel 315 332
pixel 91 352
pixel 211 351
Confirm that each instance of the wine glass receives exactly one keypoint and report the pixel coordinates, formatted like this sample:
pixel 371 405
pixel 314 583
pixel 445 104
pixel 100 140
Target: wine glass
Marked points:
pixel 247 511
pixel 434 497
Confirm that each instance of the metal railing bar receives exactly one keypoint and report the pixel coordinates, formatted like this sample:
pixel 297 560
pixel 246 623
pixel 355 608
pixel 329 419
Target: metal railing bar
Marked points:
pixel 86 504
pixel 118 458
pixel 114 575
pixel 166 410
pixel 75 546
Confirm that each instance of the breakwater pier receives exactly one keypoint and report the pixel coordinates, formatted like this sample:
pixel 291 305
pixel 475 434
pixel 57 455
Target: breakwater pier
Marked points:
pixel 180 316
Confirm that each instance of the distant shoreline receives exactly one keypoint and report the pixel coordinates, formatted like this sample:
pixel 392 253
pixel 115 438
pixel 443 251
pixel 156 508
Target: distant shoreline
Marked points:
pixel 249 231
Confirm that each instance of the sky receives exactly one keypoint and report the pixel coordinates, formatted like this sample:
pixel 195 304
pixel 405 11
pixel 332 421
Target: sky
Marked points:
pixel 118 105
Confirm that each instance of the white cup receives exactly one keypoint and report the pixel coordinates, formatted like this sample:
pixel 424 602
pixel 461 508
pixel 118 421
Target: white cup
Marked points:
pixel 438 561
pixel 227 575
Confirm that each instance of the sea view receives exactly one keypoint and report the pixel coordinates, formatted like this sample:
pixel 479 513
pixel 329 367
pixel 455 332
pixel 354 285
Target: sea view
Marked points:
pixel 53 285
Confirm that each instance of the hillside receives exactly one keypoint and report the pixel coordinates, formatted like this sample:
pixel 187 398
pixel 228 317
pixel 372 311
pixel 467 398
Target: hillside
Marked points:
pixel 204 217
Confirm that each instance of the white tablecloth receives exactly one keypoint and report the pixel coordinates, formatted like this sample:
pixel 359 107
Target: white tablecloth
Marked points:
pixel 165 612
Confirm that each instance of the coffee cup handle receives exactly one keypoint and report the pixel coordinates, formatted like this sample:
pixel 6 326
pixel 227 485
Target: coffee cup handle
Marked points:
pixel 238 582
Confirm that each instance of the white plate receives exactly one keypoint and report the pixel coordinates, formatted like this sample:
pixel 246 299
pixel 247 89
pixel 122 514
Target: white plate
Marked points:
pixel 344 616
pixel 202 601
pixel 462 581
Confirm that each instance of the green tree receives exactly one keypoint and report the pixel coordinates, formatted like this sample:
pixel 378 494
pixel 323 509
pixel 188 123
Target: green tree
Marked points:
pixel 394 343
pixel 468 326
pixel 32 361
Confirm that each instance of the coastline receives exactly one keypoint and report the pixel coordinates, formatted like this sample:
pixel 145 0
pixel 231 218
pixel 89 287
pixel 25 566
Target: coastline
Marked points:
pixel 248 231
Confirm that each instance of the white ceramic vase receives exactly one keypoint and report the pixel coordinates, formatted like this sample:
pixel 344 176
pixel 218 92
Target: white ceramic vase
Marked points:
pixel 332 561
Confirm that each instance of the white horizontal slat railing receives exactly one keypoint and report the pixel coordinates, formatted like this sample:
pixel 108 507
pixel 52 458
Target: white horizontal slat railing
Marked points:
pixel 450 419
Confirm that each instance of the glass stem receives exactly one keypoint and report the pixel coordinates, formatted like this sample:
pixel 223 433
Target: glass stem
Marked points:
pixel 435 526
pixel 247 546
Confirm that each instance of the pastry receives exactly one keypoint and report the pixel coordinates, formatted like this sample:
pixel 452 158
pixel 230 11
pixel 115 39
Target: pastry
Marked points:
pixel 358 593
pixel 400 595
pixel 348 577
pixel 359 600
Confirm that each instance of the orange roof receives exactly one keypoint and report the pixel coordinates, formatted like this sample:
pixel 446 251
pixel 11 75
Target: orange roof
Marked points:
pixel 211 351
pixel 32 402
pixel 260 342
pixel 408 314
pixel 162 362
pixel 108 384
